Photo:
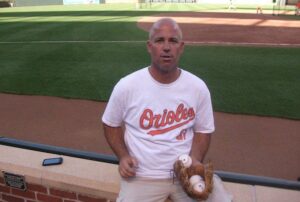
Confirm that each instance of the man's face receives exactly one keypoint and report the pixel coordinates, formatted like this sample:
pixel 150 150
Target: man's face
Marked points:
pixel 165 47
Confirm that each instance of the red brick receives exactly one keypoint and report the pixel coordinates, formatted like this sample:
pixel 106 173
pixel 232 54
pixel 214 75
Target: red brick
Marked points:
pixel 90 199
pixel 11 198
pixel 37 188
pixel 1 180
pixel 5 189
pixel 68 200
pixel 63 194
pixel 25 194
pixel 47 198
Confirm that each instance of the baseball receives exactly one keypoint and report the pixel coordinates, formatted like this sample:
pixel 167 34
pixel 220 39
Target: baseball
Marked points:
pixel 186 160
pixel 195 179
pixel 199 187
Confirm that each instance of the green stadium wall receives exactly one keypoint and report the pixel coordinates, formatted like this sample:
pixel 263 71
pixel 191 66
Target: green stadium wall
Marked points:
pixel 66 2
pixel 37 2
pixel 53 2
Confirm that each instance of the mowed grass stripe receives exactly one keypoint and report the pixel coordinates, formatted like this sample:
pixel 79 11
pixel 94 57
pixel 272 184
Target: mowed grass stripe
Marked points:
pixel 87 25
pixel 86 71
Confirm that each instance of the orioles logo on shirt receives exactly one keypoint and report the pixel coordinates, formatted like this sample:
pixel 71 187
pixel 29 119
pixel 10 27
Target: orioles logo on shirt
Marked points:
pixel 167 121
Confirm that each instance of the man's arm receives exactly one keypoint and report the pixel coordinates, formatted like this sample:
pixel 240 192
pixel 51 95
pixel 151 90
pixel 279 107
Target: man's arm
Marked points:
pixel 115 138
pixel 200 146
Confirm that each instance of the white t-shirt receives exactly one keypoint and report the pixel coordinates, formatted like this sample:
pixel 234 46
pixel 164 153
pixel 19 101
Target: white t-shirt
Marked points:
pixel 160 119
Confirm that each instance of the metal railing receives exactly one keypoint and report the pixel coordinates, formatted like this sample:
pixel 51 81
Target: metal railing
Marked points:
pixel 225 176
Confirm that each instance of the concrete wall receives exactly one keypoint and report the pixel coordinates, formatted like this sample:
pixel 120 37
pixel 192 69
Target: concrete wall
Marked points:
pixel 79 180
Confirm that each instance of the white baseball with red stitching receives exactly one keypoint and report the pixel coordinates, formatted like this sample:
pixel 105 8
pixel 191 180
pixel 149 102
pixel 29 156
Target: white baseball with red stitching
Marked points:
pixel 199 187
pixel 186 160
pixel 195 179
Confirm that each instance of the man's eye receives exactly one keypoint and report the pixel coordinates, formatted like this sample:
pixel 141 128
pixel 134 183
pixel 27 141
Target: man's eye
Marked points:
pixel 158 40
pixel 174 41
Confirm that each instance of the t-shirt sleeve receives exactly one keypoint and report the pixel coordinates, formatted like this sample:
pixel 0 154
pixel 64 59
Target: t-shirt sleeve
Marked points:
pixel 113 114
pixel 204 115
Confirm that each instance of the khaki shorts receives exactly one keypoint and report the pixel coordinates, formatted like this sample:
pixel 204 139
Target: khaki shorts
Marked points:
pixel 159 190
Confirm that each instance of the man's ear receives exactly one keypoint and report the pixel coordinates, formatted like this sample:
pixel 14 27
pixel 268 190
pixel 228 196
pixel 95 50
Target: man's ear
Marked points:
pixel 149 45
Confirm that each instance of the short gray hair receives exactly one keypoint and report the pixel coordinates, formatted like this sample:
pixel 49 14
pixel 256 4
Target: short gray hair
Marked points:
pixel 162 21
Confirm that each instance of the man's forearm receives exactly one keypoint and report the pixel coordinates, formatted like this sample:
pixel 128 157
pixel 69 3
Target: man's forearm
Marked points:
pixel 115 139
pixel 200 146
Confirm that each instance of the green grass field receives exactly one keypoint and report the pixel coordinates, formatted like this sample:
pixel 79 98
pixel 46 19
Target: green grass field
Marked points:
pixel 82 51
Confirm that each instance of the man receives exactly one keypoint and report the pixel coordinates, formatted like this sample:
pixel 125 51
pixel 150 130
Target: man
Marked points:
pixel 166 111
pixel 297 8
pixel 259 8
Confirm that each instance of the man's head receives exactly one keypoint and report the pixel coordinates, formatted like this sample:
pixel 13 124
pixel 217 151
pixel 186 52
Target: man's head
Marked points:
pixel 165 45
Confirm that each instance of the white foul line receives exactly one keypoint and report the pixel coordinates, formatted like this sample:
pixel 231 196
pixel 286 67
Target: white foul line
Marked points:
pixel 239 43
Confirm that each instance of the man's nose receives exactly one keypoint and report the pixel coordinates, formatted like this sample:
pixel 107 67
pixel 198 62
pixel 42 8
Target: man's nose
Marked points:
pixel 166 46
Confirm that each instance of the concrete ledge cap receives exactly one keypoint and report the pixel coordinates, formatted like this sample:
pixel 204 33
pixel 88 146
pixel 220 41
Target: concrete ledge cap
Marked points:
pixel 77 175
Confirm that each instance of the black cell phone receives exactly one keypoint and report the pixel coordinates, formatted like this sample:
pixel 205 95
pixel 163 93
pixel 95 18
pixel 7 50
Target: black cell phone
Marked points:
pixel 52 161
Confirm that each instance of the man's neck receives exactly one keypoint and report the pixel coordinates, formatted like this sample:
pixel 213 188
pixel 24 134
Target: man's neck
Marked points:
pixel 164 77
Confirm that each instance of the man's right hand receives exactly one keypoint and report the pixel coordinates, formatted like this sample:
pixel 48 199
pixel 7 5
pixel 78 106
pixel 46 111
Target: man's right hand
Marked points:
pixel 127 166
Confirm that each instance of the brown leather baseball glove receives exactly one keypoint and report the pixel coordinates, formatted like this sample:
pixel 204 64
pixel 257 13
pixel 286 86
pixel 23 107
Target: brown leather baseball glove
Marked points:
pixel 183 175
